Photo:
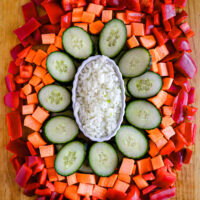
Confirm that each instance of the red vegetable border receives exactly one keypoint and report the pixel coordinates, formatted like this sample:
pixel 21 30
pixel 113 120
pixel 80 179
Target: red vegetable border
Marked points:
pixel 149 23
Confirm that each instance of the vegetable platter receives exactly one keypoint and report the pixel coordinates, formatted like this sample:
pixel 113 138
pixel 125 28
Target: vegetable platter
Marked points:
pixel 143 171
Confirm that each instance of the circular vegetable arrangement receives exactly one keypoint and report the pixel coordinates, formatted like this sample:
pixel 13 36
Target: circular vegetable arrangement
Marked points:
pixel 149 43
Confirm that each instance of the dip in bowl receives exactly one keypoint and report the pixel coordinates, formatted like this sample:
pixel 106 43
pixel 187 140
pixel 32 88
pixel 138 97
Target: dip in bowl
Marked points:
pixel 98 97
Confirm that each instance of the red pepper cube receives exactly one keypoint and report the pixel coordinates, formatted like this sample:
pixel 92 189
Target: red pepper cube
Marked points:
pixel 185 27
pixel 11 99
pixel 26 71
pixel 174 33
pixel 187 156
pixel 168 11
pixel 138 29
pixel 10 83
pixel 180 3
pixel 66 20
pixel 29 11
pixel 23 175
pixel 31 149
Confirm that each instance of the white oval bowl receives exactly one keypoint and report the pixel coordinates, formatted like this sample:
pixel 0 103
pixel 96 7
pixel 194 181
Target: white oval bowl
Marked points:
pixel 75 83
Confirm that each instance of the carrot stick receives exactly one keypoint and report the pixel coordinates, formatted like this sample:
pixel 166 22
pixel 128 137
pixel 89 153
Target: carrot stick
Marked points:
pixel 108 181
pixel 40 115
pixel 58 42
pixel 126 166
pixel 86 178
pixel 39 57
pixel 138 29
pixel 36 140
pixel 96 27
pixel 39 72
pixel 52 175
pixel 47 79
pixel 132 42
pixel 167 82
pixel 38 87
pixel 122 16
pixel 77 14
pixel 31 123
pixel 162 69
pixel 167 110
pixel 71 180
pixel 48 38
pixel 46 151
pixel 154 67
pixel 144 165
pixel 166 121
pixel 29 58
pixel 51 48
pixel 157 162
pixel 94 8
pixel 84 26
pixel 107 15
pixel 168 132
pixel 27 89
pixel 153 149
pixel 85 189
pixel 159 99
pixel 32 98
pixel 88 17
pixel 28 109
pixel 148 41
pixel 34 81
pixel 121 186
pixel 60 187
pixel 129 31
pixel 125 178
pixel 140 182
pixel 49 161
pixel 99 192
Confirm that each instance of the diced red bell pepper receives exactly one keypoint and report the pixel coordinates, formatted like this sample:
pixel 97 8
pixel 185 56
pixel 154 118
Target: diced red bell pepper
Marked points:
pixel 177 159
pixel 180 17
pixel 163 194
pixel 37 37
pixel 16 162
pixel 44 19
pixel 115 3
pixel 67 5
pixel 168 162
pixel 41 198
pixel 30 188
pixel 174 33
pixel 167 26
pixel 133 5
pixel 54 196
pixel 50 28
pixel 10 83
pixel 178 106
pixel 29 11
pixel 182 81
pixel 26 71
pixel 37 2
pixel 156 18
pixel 31 149
pixel 32 161
pixel 15 50
pixel 179 141
pixel 43 192
pixel 147 6
pixel 180 3
pixel 172 56
pixel 149 25
pixel 28 28
pixel 14 125
pixel 39 167
pixel 115 194
pixel 182 44
pixel 190 111
pixel 22 54
pixel 160 35
pixel 191 95
pixel 186 65
pixel 66 20
pixel 43 177
pixel 185 27
pixel 11 99
pixel 168 11
pixel 168 148
pixel 13 69
pixel 50 186
pixel 149 189
pixel 133 194
pixel 187 156
pixel 54 11
pixel 23 175
pixel 133 16
pixel 20 80
pixel 148 177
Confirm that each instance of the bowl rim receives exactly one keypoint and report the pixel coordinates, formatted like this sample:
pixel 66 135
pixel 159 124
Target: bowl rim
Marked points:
pixel 75 83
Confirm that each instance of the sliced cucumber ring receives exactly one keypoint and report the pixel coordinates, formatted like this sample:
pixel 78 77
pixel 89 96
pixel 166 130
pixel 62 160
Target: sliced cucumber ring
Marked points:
pixel 131 142
pixel 61 67
pixel 143 114
pixel 146 85
pixel 103 159
pixel 78 43
pixel 70 158
pixel 54 98
pixel 135 62
pixel 60 129
pixel 112 38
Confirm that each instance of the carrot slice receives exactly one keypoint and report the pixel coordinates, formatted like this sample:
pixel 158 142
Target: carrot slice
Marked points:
pixel 132 42
pixel 36 140
pixel 138 29
pixel 159 99
pixel 154 67
pixel 162 69
pixel 122 16
pixel 154 55
pixel 47 150
pixel 22 54
pixel 39 72
pixel 49 161
pixel 144 165
pixel 77 14
pixel 140 182
pixel 155 135
pixel 108 181
pixel 60 187
pixel 166 121
pixel 32 98
pixel 162 51
pixel 71 192
pixel 126 166
pixel 88 17
pixel 168 132
pixel 94 8
pixel 86 178
pixel 125 178
pixel 71 180
pixel 48 38
pixel 107 15
pixel 29 58
pixel 51 48
pixel 157 162
pixel 170 100
pixel 62 30
pixel 134 169
pixel 167 82
pixel 27 89
pixel 28 109
pixel 161 143
pixel 58 42
pixel 84 26
pixel 40 115
pixel 38 87
pixel 99 192
pixel 96 27
pixel 153 149
pixel 47 79
pixel 60 178
pixel 85 189
pixel 31 123
pixel 148 41
pixel 121 186
pixel 129 31
pixel 39 57
pixel 52 175
pixel 167 110
pixel 34 81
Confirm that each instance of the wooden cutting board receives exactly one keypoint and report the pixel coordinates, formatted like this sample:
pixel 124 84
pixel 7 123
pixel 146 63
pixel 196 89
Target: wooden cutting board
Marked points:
pixel 188 184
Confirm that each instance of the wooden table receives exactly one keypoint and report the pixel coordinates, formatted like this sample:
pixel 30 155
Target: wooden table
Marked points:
pixel 188 184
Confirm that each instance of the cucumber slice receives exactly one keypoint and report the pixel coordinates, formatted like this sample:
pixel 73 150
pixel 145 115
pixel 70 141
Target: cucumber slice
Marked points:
pixel 146 85
pixel 70 158
pixel 60 129
pixel 113 38
pixel 77 43
pixel 135 62
pixel 131 142
pixel 103 159
pixel 126 80
pixel 143 114
pixel 61 67
pixel 54 98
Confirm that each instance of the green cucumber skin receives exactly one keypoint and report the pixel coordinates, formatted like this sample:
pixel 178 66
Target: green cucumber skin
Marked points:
pixel 49 140
pixel 147 68
pixel 139 157
pixel 77 58
pixel 63 82
pixel 139 127
pixel 92 166
pixel 134 96
pixel 74 170
pixel 101 35
pixel 45 107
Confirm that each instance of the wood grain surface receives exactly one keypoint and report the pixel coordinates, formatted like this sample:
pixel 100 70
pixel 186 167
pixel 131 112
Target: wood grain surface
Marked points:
pixel 188 184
